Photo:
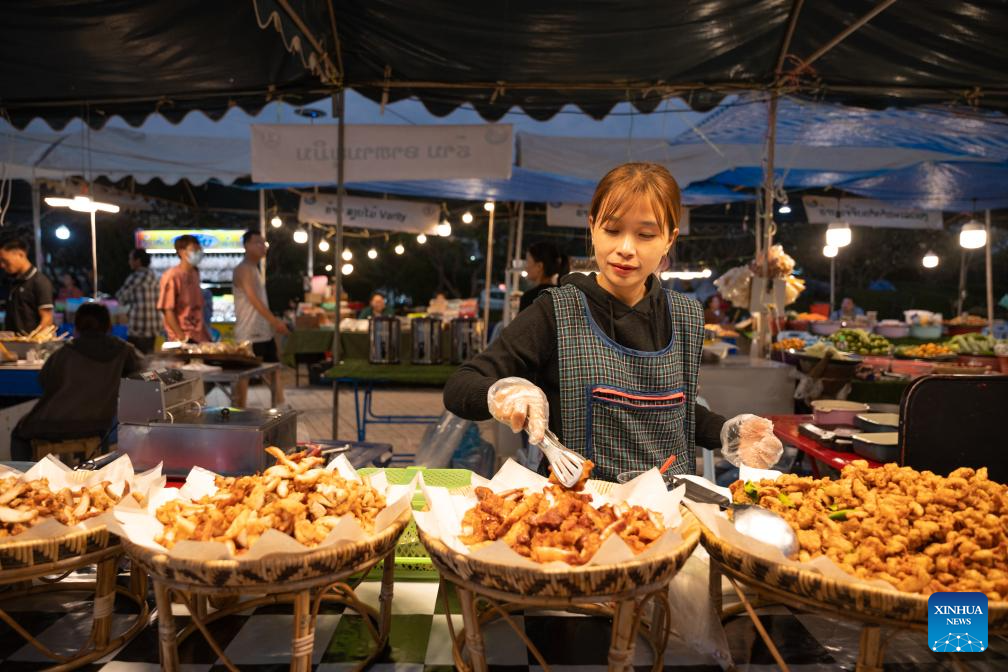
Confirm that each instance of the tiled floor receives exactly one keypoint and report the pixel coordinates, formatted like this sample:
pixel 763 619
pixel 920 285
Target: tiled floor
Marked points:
pixel 420 640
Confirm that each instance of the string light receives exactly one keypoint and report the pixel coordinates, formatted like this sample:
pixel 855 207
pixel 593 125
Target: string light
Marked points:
pixel 276 222
pixel 347 269
pixel 467 217
pixel 930 260
pixel 328 268
pixel 323 245
pixel 838 234
pixel 62 232
pixel 347 254
pixel 399 249
pixel 372 253
pixel 973 235
pixel 830 251
pixel 489 206
pixel 444 228
pixel 421 239
pixel 300 236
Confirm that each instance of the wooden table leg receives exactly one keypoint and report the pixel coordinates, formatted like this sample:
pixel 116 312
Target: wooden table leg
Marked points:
pixel 239 393
pixel 385 596
pixel 166 627
pixel 304 633
pixel 104 601
pixel 871 650
pixel 335 409
pixel 621 646
pixel 714 588
pixel 276 389
pixel 474 637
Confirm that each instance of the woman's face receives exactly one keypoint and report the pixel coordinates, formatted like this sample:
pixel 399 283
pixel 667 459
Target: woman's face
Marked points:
pixel 630 248
pixel 66 280
pixel 533 268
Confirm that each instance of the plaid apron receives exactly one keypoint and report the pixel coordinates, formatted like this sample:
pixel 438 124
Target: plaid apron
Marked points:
pixel 626 409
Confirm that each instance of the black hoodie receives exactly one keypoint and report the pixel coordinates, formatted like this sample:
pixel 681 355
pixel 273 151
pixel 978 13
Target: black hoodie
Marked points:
pixel 80 388
pixel 527 348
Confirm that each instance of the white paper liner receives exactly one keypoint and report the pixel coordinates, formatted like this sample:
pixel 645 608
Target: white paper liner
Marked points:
pixel 141 526
pixel 443 519
pixel 119 473
pixel 716 520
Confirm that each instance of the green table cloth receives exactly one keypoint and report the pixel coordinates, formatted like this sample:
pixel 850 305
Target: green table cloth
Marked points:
pixel 352 345
pixel 400 374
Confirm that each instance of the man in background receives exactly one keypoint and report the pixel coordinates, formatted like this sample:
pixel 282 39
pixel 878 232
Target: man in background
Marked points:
pixel 140 293
pixel 80 385
pixel 254 322
pixel 376 306
pixel 30 303
pixel 180 299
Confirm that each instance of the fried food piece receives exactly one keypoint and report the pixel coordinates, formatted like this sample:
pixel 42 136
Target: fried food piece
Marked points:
pixel 585 475
pixel 556 524
pixel 918 531
pixel 24 504
pixel 296 496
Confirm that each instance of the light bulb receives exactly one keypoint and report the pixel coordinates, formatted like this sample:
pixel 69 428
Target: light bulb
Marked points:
pixel 973 235
pixel 421 239
pixel 328 268
pixel 347 269
pixel 930 260
pixel 300 236
pixel 323 245
pixel 838 234
pixel 347 254
pixel 467 217
pixel 524 273
pixel 62 232
pixel 444 229
pixel 488 206
pixel 276 222
pixel 372 253
pixel 399 249
pixel 829 251
pixel 784 209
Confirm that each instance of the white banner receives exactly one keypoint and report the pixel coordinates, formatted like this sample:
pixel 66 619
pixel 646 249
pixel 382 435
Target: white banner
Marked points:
pixel 866 212
pixel 371 213
pixel 575 216
pixel 376 152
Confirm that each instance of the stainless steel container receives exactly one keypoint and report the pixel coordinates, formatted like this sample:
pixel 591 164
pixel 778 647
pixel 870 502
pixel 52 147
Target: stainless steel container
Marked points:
pixel 426 340
pixel 466 338
pixel 384 333
pixel 227 441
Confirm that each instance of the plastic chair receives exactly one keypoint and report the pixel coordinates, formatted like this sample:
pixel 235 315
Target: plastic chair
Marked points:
pixel 953 421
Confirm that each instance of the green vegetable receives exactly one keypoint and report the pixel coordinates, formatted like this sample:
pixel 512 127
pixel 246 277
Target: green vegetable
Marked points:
pixel 751 490
pixel 785 500
pixel 840 515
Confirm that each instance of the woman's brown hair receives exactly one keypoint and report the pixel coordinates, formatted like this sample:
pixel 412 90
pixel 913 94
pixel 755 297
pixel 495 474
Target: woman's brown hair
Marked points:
pixel 624 184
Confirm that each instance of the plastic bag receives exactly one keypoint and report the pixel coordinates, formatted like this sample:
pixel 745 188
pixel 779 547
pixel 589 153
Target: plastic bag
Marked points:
pixel 519 403
pixel 749 439
pixel 474 454
pixel 441 440
pixel 693 617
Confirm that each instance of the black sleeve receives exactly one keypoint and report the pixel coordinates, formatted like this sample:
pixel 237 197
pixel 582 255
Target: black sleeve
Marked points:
pixel 708 428
pixel 523 349
pixel 134 361
pixel 43 289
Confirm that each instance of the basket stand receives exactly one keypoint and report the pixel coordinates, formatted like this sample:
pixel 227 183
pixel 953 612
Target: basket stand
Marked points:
pixel 306 596
pixel 628 611
pixel 100 642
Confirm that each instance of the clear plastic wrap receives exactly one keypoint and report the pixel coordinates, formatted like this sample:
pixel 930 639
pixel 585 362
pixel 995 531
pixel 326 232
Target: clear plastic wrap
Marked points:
pixel 749 439
pixel 519 404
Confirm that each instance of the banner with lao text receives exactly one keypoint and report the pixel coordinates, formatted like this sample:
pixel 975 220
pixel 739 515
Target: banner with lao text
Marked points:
pixel 867 212
pixel 375 152
pixel 371 213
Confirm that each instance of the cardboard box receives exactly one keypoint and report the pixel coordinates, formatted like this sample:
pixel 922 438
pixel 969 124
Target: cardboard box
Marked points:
pixel 306 322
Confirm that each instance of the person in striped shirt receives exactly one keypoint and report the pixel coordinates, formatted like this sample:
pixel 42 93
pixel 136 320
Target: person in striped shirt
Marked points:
pixel 140 293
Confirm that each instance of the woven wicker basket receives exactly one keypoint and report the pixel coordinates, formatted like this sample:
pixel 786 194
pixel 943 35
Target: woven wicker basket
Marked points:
pixel 34 555
pixel 288 569
pixel 859 600
pixel 593 580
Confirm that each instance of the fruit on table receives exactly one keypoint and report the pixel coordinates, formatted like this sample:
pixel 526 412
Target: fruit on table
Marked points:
pixel 789 344
pixel 860 342
pixel 927 351
pixel 972 344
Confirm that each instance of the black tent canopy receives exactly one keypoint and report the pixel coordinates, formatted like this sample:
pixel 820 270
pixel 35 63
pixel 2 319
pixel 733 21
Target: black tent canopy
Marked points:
pixel 96 58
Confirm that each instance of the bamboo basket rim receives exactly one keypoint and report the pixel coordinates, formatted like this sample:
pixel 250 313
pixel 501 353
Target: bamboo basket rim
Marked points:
pixel 41 556
pixel 15 544
pixel 857 589
pixel 689 529
pixel 158 562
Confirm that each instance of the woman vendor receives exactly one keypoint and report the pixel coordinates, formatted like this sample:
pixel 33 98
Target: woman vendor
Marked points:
pixel 609 360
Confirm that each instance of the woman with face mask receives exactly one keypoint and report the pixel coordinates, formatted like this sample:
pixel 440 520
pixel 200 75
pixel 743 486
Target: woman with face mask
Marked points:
pixel 609 361
pixel 180 298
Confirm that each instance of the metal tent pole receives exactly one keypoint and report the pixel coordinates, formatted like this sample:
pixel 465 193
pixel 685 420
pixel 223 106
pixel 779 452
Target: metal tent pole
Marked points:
pixel 37 221
pixel 94 257
pixel 339 110
pixel 990 278
pixel 962 281
pixel 832 285
pixel 486 282
pixel 262 228
pixel 311 251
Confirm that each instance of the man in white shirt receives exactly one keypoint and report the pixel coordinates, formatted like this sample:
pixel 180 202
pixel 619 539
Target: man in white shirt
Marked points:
pixel 253 320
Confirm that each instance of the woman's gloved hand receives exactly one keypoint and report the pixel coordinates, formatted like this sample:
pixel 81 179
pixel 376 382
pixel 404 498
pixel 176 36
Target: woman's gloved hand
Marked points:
pixel 749 439
pixel 515 402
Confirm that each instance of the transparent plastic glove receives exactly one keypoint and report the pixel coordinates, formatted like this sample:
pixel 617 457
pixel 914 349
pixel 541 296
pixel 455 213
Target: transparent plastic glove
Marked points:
pixel 513 401
pixel 749 439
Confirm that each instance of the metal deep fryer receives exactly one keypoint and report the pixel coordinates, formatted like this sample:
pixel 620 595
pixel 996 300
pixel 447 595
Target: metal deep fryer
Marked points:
pixel 163 418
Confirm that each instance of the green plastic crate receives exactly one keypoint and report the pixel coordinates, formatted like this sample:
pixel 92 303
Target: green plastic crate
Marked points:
pixel 411 559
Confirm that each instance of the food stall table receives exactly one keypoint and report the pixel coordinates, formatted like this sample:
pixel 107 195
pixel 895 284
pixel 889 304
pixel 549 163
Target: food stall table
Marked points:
pixel 20 380
pixel 364 376
pixel 230 377
pixel 786 429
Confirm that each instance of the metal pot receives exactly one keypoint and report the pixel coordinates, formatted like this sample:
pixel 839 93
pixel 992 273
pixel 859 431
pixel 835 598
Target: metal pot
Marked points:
pixel 466 337
pixel 878 446
pixel 384 334
pixel 426 340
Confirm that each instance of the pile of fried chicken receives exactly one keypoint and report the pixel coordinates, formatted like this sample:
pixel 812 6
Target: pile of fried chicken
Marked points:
pixel 556 524
pixel 24 504
pixel 918 531
pixel 296 496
